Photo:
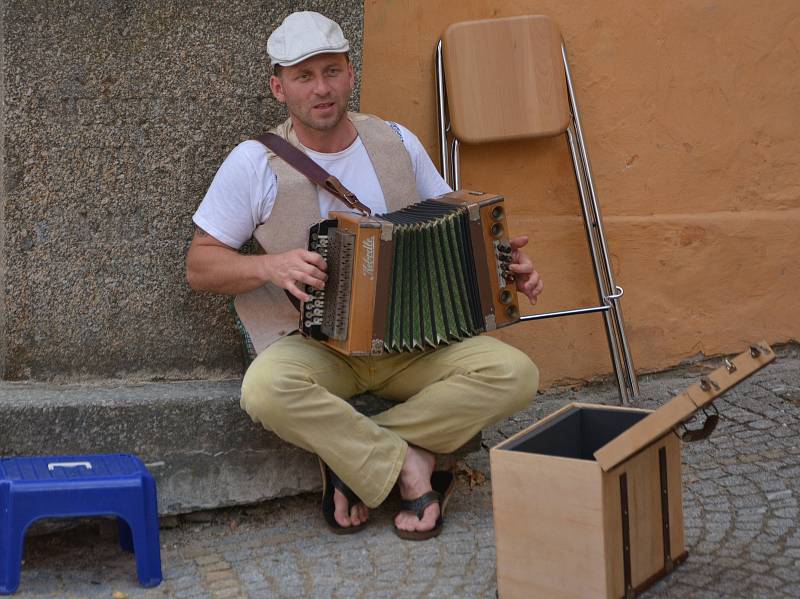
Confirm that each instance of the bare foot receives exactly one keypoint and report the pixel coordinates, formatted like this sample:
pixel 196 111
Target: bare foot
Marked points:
pixel 348 515
pixel 415 481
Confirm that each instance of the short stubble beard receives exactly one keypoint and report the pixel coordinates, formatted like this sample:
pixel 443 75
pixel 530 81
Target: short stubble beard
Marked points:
pixel 319 124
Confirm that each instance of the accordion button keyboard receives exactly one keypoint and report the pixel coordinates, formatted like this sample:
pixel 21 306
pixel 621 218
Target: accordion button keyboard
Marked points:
pixel 335 315
pixel 313 308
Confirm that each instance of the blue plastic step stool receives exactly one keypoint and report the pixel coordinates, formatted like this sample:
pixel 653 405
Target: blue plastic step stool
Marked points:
pixel 38 487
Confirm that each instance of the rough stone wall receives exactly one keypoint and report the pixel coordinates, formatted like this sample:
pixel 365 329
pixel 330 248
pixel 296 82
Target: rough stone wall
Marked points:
pixel 2 191
pixel 690 116
pixel 118 114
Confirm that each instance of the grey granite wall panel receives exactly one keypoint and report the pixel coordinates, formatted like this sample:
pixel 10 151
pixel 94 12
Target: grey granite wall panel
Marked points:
pixel 118 114
pixel 2 190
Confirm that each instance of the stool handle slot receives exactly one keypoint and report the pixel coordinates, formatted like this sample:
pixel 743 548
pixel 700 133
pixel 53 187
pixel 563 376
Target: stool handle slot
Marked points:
pixel 53 465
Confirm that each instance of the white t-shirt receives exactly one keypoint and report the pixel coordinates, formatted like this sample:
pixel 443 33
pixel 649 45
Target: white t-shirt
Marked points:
pixel 243 191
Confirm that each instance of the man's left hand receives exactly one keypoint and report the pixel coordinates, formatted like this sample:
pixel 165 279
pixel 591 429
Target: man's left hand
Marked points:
pixel 528 280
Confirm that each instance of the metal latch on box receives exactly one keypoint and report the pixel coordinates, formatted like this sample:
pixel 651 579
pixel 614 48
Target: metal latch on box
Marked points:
pixel 690 435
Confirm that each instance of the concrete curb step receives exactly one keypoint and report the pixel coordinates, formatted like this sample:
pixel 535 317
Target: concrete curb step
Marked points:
pixel 203 450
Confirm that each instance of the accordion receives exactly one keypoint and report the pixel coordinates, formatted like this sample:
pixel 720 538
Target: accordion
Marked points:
pixel 430 274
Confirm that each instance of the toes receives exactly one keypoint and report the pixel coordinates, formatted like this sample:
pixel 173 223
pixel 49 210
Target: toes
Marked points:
pixel 363 512
pixel 359 513
pixel 405 521
pixel 341 511
pixel 409 521
pixel 429 517
pixel 347 515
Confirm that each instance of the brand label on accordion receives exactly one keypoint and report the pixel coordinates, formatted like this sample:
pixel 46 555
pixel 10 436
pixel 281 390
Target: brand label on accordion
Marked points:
pixel 368 257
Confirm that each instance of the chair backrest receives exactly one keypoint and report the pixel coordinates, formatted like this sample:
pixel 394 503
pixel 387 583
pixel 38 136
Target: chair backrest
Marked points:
pixel 505 79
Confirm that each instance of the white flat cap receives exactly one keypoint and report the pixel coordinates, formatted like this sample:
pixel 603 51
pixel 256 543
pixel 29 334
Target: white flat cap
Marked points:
pixel 303 35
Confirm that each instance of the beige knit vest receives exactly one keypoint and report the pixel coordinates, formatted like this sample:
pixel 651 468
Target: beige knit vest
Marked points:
pixel 266 312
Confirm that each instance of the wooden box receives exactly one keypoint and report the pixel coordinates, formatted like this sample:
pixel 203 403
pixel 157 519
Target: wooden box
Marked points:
pixel 587 502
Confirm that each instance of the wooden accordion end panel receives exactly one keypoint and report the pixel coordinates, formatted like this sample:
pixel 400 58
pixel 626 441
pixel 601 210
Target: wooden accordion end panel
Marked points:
pixel 424 276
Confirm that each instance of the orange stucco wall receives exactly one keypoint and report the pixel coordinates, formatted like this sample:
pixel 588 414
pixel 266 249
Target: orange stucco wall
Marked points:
pixel 691 112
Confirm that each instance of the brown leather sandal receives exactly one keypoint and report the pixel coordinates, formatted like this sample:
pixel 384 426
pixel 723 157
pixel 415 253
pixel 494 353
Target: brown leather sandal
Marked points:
pixel 330 482
pixel 442 483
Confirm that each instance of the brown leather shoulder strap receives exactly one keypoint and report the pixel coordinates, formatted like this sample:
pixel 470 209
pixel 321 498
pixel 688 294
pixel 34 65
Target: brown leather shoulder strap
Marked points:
pixel 316 174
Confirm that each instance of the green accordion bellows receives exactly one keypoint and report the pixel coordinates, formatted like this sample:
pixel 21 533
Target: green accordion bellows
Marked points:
pixel 430 274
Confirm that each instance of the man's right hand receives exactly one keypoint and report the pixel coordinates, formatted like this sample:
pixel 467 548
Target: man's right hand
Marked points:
pixel 213 266
pixel 294 269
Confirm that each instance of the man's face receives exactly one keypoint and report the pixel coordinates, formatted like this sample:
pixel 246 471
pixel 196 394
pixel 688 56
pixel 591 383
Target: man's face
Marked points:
pixel 316 90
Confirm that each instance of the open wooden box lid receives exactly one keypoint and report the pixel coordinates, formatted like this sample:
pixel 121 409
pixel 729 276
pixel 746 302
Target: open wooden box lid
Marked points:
pixel 683 407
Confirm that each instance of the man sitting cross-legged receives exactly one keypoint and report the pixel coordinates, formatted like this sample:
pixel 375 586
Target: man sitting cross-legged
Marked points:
pixel 297 386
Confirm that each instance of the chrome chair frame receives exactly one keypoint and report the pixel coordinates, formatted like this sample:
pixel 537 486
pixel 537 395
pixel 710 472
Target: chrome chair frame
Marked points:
pixel 609 292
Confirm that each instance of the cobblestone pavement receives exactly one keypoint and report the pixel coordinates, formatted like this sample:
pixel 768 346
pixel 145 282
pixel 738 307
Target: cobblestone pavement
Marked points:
pixel 741 513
